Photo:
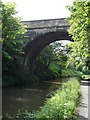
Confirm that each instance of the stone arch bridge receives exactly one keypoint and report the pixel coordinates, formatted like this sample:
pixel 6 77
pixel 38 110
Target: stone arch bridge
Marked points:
pixel 41 33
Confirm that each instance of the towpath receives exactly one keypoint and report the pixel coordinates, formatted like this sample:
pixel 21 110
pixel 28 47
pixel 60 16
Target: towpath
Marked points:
pixel 84 109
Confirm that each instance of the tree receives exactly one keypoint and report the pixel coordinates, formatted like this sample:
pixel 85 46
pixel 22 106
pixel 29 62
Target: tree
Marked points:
pixel 80 31
pixel 44 60
pixel 12 38
pixel 51 61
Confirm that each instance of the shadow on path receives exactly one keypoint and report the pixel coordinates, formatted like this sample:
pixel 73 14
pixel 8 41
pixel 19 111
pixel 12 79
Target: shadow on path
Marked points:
pixel 83 105
pixel 85 82
pixel 82 118
pixel 83 109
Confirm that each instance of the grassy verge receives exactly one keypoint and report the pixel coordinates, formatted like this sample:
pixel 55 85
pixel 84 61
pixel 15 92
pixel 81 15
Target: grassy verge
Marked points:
pixel 63 105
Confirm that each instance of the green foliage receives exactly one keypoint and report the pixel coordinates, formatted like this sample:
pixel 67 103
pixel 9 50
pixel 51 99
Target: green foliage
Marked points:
pixel 55 70
pixel 50 61
pixel 18 78
pixel 86 77
pixel 46 56
pixel 12 39
pixel 71 73
pixel 12 36
pixel 45 64
pixel 63 105
pixel 80 31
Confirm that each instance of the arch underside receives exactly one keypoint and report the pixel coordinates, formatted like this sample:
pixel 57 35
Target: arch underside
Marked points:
pixel 34 47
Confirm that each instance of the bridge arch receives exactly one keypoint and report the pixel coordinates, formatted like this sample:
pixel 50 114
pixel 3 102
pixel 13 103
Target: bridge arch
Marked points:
pixel 34 47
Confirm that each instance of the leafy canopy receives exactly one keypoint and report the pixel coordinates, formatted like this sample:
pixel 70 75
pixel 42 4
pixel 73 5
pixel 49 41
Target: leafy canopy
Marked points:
pixel 12 37
pixel 80 31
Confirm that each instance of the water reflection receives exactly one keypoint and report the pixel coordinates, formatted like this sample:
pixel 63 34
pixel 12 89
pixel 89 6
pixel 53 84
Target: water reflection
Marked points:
pixel 28 97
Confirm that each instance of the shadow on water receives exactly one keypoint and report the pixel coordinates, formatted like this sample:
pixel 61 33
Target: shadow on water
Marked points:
pixel 26 97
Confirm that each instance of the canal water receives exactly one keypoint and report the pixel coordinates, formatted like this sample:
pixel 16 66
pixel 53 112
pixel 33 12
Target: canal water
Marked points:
pixel 27 97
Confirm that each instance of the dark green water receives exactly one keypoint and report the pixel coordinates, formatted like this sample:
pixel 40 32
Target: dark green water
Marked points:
pixel 26 97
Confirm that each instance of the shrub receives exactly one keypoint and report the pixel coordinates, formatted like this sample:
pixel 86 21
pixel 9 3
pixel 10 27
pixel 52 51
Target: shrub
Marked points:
pixel 70 73
pixel 55 70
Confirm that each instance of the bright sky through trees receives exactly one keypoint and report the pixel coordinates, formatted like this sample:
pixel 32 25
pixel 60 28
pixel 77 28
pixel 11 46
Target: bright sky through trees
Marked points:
pixel 42 9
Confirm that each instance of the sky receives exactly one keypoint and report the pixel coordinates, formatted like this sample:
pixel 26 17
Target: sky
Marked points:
pixel 41 9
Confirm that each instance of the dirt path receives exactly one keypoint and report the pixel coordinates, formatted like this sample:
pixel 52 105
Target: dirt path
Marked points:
pixel 84 108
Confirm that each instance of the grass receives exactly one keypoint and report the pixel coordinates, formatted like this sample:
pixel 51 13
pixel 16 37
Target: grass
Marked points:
pixel 61 106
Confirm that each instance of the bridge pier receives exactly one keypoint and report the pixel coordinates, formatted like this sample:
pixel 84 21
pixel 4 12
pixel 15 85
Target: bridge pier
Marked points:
pixel 28 65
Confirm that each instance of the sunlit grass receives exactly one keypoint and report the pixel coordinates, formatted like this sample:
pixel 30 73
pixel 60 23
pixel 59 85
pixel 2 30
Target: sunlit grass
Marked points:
pixel 63 105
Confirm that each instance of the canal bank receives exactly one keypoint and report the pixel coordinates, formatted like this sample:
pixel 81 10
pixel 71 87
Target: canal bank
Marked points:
pixel 35 96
